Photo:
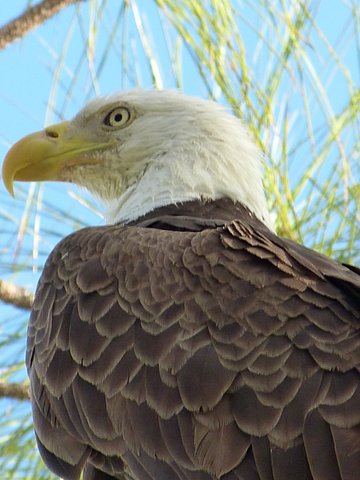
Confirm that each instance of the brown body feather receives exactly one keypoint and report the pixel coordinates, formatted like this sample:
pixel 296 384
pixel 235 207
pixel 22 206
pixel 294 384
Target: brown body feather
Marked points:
pixel 195 344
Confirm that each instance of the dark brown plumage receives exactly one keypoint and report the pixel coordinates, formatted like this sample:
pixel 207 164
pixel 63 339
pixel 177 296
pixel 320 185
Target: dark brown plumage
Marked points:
pixel 195 344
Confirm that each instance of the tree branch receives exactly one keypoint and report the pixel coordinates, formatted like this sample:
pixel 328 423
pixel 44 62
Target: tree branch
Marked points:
pixel 17 296
pixel 18 391
pixel 31 18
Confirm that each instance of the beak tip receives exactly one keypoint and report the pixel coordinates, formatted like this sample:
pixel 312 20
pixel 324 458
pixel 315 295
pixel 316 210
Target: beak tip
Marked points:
pixel 8 177
pixel 9 187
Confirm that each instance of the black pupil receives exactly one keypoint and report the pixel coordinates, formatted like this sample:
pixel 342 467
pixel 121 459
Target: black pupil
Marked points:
pixel 118 117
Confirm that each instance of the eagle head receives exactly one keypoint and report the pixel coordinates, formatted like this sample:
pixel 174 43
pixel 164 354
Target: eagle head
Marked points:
pixel 140 150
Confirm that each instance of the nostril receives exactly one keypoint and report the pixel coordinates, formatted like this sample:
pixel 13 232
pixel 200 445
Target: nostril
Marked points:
pixel 51 133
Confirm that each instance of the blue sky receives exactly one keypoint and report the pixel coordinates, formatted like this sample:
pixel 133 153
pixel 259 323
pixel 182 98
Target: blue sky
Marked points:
pixel 37 75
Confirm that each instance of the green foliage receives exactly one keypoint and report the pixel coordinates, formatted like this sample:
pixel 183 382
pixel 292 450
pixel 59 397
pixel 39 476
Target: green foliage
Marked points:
pixel 275 64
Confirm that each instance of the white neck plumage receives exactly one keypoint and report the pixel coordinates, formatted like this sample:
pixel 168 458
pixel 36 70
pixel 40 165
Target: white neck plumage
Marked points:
pixel 209 176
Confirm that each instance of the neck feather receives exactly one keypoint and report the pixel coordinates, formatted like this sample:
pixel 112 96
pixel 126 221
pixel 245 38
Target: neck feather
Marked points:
pixel 166 182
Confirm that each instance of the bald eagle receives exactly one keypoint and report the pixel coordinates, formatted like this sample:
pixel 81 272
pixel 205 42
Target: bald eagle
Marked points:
pixel 184 340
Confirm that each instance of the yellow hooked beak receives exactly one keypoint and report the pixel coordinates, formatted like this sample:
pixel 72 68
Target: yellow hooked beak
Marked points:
pixel 44 155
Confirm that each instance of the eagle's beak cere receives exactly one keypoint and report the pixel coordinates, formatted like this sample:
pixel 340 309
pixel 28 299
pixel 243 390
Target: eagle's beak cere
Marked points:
pixel 44 155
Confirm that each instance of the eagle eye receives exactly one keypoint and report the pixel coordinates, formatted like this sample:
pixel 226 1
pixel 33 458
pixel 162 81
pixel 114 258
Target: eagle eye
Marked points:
pixel 118 117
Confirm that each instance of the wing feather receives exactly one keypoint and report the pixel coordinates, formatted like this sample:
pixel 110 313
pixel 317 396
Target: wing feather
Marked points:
pixel 192 355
